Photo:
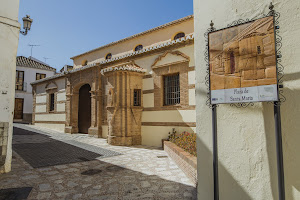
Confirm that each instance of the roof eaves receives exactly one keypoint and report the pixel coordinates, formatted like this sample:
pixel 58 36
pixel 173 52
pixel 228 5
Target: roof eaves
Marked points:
pixel 47 78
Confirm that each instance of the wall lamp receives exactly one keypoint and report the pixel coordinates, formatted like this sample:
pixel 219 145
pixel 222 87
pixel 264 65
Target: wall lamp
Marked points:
pixel 26 24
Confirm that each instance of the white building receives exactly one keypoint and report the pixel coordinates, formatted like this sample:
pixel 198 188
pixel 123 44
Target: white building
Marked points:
pixel 28 70
pixel 9 38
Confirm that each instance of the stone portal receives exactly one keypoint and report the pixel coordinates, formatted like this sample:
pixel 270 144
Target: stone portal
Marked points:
pixel 124 104
pixel 84 109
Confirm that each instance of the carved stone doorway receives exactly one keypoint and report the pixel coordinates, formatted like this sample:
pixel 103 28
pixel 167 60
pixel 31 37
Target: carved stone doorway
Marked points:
pixel 84 109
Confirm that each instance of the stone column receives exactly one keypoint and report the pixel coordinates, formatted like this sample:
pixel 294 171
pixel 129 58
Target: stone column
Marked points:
pixel 68 128
pixel 94 129
pixel 71 113
pixel 74 112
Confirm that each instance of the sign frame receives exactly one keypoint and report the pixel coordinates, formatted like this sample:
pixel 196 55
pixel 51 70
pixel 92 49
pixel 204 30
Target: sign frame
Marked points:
pixel 277 104
pixel 240 90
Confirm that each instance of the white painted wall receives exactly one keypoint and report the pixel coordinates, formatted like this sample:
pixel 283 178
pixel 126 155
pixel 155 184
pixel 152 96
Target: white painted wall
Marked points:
pixel 169 116
pixel 58 127
pixel 40 108
pixel 60 107
pixel 148 84
pixel 246 137
pixel 50 117
pixel 104 131
pixel 61 96
pixel 29 77
pixel 148 100
pixel 9 38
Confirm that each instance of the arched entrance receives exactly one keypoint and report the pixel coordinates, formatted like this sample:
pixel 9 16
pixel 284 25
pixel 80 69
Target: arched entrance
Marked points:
pixel 84 109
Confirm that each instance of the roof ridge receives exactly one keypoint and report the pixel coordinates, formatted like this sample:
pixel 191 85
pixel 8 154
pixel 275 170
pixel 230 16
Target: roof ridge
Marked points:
pixel 138 34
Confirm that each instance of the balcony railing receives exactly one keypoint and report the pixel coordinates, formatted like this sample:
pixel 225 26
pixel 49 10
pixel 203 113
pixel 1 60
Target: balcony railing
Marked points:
pixel 20 87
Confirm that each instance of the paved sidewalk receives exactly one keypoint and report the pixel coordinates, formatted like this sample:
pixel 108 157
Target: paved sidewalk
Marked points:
pixel 102 171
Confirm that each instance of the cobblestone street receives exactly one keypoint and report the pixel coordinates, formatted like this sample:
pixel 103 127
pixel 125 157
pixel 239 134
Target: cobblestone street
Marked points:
pixel 62 166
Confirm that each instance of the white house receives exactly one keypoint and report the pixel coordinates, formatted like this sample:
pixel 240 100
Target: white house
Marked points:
pixel 9 38
pixel 28 70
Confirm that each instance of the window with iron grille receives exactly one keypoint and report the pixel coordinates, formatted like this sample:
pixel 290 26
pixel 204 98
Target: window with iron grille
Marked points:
pixel 137 97
pixel 171 90
pixel 39 76
pixel 51 108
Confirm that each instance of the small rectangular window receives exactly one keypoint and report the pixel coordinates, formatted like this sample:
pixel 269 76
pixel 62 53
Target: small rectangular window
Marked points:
pixel 137 97
pixel 171 90
pixel 19 80
pixel 258 50
pixel 40 76
pixel 51 102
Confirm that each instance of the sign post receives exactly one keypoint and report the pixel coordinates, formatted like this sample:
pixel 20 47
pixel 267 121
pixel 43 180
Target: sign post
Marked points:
pixel 215 152
pixel 242 61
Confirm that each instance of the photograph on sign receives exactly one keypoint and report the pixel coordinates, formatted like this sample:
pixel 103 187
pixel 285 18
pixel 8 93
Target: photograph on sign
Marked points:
pixel 242 61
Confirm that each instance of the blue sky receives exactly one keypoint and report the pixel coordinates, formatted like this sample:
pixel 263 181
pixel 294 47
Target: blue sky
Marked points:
pixel 65 28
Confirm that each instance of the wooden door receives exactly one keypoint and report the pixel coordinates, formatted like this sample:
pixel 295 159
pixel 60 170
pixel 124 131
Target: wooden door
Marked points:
pixel 84 110
pixel 18 114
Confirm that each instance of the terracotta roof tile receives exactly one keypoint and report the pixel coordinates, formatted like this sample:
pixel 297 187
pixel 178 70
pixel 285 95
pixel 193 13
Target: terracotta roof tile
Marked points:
pixel 26 62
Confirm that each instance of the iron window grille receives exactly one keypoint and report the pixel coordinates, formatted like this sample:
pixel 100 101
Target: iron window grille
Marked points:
pixel 171 90
pixel 19 80
pixel 137 97
pixel 39 76
pixel 51 102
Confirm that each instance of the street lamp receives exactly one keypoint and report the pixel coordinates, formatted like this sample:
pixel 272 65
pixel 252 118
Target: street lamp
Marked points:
pixel 26 24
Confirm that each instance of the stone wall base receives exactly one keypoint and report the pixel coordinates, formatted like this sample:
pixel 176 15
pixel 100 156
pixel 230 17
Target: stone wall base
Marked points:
pixel 27 117
pixel 124 141
pixel 71 129
pixel 3 146
pixel 186 162
pixel 95 132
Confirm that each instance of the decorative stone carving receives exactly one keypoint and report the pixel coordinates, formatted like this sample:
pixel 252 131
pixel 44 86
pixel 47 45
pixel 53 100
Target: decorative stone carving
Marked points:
pixel 74 82
pixel 181 58
pixel 124 119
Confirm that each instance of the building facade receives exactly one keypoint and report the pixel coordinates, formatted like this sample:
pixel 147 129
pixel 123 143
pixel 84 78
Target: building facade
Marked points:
pixel 132 91
pixel 9 39
pixel 246 136
pixel 28 70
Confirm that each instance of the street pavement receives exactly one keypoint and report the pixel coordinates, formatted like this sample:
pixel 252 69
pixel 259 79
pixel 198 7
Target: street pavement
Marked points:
pixel 55 165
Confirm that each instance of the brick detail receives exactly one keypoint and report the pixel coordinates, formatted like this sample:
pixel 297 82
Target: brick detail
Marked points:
pixel 148 91
pixel 44 113
pixel 50 122
pixel 147 76
pixel 186 162
pixel 192 107
pixel 192 86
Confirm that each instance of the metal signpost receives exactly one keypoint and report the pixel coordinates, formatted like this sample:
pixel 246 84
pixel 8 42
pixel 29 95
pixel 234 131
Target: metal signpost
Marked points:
pixel 241 40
